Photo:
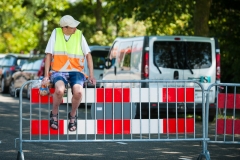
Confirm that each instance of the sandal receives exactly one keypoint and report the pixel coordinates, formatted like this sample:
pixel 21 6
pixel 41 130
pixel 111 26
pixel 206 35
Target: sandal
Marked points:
pixel 71 125
pixel 53 122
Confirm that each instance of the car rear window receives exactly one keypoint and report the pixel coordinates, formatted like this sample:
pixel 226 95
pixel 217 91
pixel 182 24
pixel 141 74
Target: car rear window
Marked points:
pixel 99 59
pixel 182 55
pixel 8 61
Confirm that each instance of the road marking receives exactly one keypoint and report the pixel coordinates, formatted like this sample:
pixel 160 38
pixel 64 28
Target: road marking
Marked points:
pixel 121 143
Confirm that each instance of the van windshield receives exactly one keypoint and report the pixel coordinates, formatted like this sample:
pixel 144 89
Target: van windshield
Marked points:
pixel 182 55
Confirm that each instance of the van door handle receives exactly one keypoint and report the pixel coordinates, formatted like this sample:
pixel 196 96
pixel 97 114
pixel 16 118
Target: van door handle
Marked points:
pixel 115 70
pixel 175 75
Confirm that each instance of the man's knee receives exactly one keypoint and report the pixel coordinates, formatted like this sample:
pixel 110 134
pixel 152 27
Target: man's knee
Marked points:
pixel 77 94
pixel 59 88
pixel 59 92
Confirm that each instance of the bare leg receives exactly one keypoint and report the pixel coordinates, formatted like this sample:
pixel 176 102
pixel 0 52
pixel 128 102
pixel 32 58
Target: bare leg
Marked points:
pixel 76 100
pixel 57 99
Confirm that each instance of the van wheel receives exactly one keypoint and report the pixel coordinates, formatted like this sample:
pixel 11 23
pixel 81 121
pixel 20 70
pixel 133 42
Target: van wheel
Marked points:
pixel 211 118
pixel 144 112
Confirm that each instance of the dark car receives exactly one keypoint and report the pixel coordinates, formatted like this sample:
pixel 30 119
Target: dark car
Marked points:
pixel 10 64
pixel 33 69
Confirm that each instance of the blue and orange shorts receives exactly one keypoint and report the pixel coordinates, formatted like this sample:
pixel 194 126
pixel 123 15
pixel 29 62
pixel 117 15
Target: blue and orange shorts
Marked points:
pixel 68 77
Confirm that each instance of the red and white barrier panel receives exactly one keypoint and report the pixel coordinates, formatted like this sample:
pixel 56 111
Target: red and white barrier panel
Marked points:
pixel 228 100
pixel 126 126
pixel 126 95
pixel 228 126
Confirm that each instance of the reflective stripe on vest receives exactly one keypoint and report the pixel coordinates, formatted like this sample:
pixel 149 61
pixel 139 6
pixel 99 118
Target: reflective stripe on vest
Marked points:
pixel 68 55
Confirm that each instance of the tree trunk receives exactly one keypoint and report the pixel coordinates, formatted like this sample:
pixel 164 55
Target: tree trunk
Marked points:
pixel 98 14
pixel 201 17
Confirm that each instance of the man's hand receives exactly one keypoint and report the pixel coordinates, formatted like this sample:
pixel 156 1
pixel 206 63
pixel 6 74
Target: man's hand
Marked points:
pixel 92 80
pixel 45 81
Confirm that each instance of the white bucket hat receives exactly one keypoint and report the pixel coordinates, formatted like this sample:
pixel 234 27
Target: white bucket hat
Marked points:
pixel 69 21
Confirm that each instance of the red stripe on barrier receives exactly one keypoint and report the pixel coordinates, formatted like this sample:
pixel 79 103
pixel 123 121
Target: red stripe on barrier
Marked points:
pixel 229 100
pixel 113 95
pixel 170 93
pixel 36 98
pixel 118 128
pixel 181 125
pixel 42 126
pixel 228 126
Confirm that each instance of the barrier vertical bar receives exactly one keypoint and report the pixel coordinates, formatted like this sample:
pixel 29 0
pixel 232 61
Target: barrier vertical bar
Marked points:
pixel 149 112
pixel 30 110
pixel 104 113
pixel 131 86
pixel 86 86
pixel 167 110
pixel 158 111
pixel 176 110
pixel 234 113
pixel 113 111
pixel 185 111
pixel 122 111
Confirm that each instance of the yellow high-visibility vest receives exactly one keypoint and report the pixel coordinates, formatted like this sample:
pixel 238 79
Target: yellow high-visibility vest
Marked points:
pixel 68 55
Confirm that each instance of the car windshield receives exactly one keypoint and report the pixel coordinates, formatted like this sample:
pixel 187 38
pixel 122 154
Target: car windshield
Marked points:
pixel 24 66
pixel 182 55
pixel 30 66
pixel 21 61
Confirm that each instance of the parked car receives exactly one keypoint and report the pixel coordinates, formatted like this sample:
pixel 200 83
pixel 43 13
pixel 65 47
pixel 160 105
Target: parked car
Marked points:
pixel 166 58
pixel 99 53
pixel 10 64
pixel 1 60
pixel 33 69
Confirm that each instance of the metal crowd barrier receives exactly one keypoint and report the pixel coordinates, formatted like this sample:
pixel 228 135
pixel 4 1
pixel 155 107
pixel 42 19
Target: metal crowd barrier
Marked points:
pixel 226 128
pixel 120 113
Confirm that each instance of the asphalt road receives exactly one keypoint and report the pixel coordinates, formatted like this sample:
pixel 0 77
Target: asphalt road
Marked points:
pixel 9 130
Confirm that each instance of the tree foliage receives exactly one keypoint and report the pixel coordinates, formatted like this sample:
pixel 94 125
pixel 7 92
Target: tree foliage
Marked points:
pixel 224 24
pixel 22 23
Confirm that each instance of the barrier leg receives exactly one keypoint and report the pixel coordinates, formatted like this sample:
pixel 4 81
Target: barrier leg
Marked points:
pixel 204 155
pixel 20 155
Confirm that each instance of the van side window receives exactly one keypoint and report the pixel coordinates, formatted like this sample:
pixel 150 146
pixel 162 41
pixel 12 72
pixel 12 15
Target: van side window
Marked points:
pixel 113 52
pixel 182 55
pixel 136 59
pixel 124 55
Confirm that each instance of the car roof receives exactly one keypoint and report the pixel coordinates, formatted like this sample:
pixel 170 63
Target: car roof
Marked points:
pixel 101 48
pixel 18 55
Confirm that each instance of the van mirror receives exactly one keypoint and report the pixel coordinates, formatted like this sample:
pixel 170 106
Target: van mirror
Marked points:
pixel 108 63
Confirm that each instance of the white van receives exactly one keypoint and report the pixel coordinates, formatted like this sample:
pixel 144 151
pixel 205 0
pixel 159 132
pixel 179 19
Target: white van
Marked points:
pixel 166 58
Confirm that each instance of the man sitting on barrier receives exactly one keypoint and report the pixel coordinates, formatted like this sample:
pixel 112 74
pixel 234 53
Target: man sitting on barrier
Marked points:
pixel 66 52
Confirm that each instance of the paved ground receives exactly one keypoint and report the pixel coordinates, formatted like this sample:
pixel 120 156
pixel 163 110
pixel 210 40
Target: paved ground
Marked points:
pixel 9 130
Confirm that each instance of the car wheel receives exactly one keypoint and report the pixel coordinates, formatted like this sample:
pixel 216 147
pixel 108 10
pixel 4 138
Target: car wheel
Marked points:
pixel 3 88
pixel 29 91
pixel 12 89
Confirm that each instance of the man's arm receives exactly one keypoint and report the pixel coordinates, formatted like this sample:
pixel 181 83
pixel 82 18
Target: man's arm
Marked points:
pixel 90 68
pixel 48 58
